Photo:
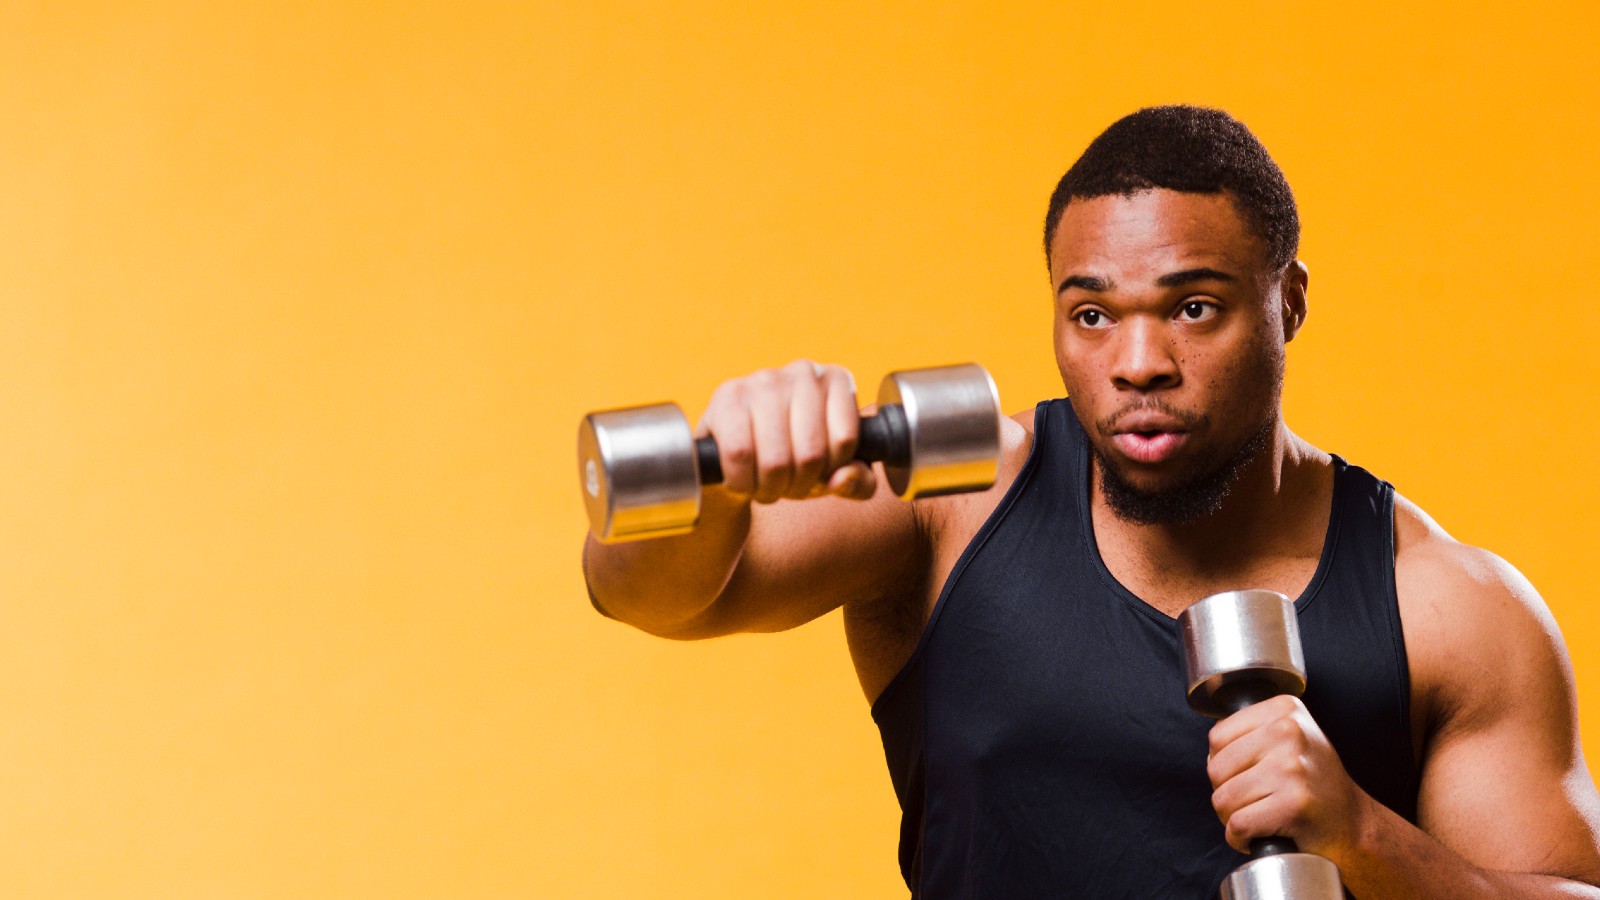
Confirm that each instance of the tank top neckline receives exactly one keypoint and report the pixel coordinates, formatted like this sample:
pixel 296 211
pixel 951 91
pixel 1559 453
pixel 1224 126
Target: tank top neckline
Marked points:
pixel 1089 545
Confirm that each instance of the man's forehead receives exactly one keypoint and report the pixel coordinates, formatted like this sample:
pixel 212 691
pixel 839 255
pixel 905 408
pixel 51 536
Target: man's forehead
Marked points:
pixel 1144 235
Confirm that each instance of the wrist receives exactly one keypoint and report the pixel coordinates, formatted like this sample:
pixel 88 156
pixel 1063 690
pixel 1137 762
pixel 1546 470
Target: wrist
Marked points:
pixel 1362 835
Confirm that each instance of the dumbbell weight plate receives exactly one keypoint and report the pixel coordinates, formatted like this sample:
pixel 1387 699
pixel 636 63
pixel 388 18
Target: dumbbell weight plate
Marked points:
pixel 1286 876
pixel 1234 638
pixel 953 416
pixel 654 488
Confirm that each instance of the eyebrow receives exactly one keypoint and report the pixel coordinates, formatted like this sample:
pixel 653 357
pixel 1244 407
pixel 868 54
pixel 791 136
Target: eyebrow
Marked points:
pixel 1097 285
pixel 1084 282
pixel 1189 276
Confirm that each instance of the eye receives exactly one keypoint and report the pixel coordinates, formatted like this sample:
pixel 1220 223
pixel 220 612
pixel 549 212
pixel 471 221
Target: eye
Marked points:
pixel 1092 318
pixel 1196 311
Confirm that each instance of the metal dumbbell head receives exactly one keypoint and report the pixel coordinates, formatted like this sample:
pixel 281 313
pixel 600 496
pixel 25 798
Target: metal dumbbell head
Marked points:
pixel 1285 876
pixel 953 422
pixel 938 432
pixel 639 473
pixel 1240 647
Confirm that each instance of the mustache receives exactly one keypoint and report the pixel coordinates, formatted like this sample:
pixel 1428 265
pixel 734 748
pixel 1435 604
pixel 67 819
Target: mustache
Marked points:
pixel 1188 420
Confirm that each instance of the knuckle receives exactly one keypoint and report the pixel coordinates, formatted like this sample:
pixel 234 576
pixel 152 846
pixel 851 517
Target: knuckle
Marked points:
pixel 1245 823
pixel 728 396
pixel 1216 739
pixel 1214 772
pixel 1299 800
pixel 735 452
pixel 802 368
pixel 1297 766
pixel 775 456
pixel 775 465
pixel 809 459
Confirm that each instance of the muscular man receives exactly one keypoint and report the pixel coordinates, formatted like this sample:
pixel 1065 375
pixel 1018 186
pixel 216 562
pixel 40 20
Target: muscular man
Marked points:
pixel 1019 645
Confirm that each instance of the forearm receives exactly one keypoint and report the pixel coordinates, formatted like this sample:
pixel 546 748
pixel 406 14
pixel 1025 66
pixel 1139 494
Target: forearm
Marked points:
pixel 1392 858
pixel 662 584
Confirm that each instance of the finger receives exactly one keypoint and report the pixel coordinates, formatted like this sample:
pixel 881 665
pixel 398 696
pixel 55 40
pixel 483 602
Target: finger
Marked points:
pixel 1249 719
pixel 853 481
pixel 727 420
pixel 844 417
pixel 1248 786
pixel 1246 824
pixel 769 415
pixel 808 429
pixel 1280 813
pixel 1241 753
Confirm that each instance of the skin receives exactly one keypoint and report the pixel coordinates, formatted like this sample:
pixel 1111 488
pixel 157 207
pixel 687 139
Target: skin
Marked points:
pixel 1164 300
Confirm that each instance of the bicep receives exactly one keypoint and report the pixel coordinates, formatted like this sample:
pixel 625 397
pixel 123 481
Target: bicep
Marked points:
pixel 1504 781
pixel 1507 799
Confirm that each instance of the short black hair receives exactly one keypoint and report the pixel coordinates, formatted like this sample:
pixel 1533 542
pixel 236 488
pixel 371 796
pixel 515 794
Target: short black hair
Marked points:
pixel 1191 149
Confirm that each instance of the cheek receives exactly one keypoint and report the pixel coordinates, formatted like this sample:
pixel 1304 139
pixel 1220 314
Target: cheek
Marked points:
pixel 1250 380
pixel 1073 365
pixel 1059 342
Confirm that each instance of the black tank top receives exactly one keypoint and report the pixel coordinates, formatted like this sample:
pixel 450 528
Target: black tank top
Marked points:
pixel 1038 738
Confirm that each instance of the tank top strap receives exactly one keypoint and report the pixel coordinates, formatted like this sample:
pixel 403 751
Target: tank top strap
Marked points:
pixel 1357 675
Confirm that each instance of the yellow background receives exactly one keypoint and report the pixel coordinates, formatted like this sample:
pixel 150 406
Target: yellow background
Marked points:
pixel 303 301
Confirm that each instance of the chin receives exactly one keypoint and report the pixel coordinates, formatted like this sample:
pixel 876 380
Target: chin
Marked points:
pixel 1179 492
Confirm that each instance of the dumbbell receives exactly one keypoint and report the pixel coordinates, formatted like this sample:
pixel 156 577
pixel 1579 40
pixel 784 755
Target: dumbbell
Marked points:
pixel 1240 648
pixel 937 431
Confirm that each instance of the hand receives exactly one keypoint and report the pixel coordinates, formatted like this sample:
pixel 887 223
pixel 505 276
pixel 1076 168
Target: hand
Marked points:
pixel 1273 773
pixel 789 433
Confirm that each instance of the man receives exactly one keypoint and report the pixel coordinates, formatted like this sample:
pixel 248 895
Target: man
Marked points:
pixel 1020 645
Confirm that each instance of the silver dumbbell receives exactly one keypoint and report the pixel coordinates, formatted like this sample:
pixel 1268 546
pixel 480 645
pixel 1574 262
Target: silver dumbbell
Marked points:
pixel 1240 648
pixel 937 431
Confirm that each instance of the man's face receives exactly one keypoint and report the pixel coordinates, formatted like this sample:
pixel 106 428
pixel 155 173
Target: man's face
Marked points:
pixel 1169 333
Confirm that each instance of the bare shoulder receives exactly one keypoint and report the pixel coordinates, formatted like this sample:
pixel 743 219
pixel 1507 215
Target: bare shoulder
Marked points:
pixel 1472 621
pixel 951 518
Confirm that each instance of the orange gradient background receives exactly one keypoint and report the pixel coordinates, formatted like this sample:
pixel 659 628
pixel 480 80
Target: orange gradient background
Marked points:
pixel 303 302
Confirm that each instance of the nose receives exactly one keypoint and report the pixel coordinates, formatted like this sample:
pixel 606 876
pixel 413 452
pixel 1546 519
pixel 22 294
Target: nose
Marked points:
pixel 1144 358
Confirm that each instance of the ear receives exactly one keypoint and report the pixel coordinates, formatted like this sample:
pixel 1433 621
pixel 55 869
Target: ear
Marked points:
pixel 1295 278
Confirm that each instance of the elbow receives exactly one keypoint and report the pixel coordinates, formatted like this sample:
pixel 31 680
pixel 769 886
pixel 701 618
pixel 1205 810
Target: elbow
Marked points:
pixel 691 628
pixel 650 605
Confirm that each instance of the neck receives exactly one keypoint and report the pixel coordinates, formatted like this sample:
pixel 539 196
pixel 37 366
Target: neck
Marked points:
pixel 1277 510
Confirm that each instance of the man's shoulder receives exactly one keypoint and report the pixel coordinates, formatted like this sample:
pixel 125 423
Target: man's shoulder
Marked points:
pixel 1469 616
pixel 1440 569
pixel 952 520
pixel 1025 418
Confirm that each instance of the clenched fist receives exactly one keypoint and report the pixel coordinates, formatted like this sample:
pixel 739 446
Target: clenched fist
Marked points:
pixel 1273 773
pixel 789 433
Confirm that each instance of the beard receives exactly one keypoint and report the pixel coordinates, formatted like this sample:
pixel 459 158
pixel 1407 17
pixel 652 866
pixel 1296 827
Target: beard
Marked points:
pixel 1198 495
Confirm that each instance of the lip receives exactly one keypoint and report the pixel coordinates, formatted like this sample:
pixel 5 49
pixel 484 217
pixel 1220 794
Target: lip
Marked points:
pixel 1149 446
pixel 1149 436
pixel 1148 420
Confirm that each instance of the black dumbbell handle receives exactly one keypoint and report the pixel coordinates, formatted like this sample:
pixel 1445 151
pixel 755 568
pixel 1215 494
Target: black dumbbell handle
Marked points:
pixel 1234 697
pixel 885 437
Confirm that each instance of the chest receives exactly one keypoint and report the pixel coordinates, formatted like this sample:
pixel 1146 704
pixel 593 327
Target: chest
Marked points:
pixel 1042 663
pixel 1170 589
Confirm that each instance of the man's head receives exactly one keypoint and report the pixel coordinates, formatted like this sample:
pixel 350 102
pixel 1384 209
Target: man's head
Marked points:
pixel 1192 150
pixel 1171 246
